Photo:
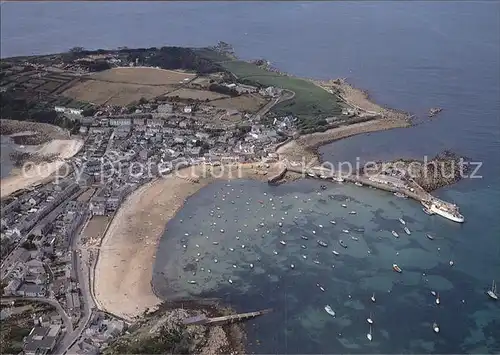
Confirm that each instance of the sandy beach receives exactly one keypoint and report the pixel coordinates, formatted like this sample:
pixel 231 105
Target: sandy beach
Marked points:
pixel 64 148
pixel 124 269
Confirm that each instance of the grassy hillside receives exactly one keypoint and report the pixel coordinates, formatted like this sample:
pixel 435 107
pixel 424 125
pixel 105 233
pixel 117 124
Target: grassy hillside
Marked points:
pixel 311 103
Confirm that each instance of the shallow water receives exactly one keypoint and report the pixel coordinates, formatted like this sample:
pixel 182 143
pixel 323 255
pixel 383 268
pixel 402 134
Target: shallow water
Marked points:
pixel 404 306
pixel 408 55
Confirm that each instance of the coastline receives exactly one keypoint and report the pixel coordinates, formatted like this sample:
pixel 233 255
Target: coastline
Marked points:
pixel 18 180
pixel 124 267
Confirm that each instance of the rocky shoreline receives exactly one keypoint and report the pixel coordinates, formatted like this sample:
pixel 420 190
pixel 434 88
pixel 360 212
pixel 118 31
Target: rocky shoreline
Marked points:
pixel 444 169
pixel 162 331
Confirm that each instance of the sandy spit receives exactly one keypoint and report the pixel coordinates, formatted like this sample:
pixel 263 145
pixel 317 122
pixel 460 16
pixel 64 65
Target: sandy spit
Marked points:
pixel 64 148
pixel 124 269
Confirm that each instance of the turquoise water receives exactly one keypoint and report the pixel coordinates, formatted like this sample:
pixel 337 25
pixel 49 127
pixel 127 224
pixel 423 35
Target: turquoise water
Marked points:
pixel 249 214
pixel 408 55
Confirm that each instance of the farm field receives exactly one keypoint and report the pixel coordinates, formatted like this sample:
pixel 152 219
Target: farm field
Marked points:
pixel 186 93
pixel 112 93
pixel 247 102
pixel 142 76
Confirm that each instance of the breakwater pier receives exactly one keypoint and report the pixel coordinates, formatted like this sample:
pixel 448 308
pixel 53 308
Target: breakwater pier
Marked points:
pixel 391 182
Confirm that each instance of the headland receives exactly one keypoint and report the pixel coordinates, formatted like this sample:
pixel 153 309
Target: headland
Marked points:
pixel 190 116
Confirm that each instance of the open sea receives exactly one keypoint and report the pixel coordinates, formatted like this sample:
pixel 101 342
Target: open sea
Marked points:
pixel 408 55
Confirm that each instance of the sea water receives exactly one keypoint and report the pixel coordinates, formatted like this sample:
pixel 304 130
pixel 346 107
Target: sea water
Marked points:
pixel 408 55
pixel 250 213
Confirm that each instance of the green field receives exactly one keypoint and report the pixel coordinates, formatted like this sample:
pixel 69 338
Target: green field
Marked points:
pixel 311 103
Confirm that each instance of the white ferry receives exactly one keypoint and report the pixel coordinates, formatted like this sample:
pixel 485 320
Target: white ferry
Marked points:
pixel 452 215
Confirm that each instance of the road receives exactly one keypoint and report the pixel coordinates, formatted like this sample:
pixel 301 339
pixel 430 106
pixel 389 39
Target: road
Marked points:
pixel 65 318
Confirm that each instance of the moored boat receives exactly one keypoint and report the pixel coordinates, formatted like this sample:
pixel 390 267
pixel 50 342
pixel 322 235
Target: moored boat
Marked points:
pixel 357 183
pixel 394 233
pixel 435 327
pixel 402 221
pixel 322 243
pixel 304 237
pixel 407 231
pixel 329 310
pixel 369 335
pixel 352 212
pixel 335 252
pixel 396 268
pixel 492 293
pixel 373 298
pixel 429 236
pixel 282 242
pixel 342 244
pixel 452 215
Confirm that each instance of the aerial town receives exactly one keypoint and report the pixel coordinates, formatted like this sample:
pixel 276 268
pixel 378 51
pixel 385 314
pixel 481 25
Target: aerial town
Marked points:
pixel 46 253
pixel 136 122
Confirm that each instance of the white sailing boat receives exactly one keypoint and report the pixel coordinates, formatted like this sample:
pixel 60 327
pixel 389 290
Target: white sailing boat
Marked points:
pixel 435 326
pixel 373 298
pixel 493 291
pixel 369 319
pixel 369 335
pixel 329 310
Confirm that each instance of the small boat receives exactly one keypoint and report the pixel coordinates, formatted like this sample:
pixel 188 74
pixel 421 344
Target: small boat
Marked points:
pixel 345 230
pixel 451 263
pixel 373 298
pixel 492 293
pixel 429 236
pixel 322 243
pixel 400 195
pixel 335 252
pixel 333 222
pixel 282 242
pixel 369 335
pixel 438 301
pixel 407 231
pixel 358 183
pixel 292 266
pixel 396 268
pixel 320 287
pixel 435 327
pixel 344 205
pixel 402 221
pixel 251 266
pixel 303 246
pixel 369 319
pixel 230 281
pixel 342 244
pixel 304 237
pixel 433 293
pixel 231 249
pixel 192 282
pixel 275 252
pixel 352 212
pixel 329 310
pixel 304 257
pixel 394 233
pixel 323 187
pixel 355 238
pixel 313 232
pixel 316 262
pixel 427 211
